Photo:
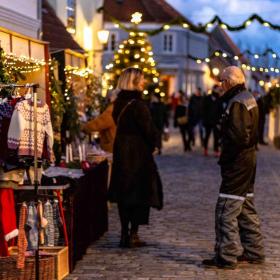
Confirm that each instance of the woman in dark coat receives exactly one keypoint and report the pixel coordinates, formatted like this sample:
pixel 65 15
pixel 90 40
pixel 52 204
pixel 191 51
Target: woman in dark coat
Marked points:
pixel 135 182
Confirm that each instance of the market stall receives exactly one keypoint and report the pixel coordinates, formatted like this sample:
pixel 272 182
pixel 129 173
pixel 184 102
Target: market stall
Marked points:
pixel 47 220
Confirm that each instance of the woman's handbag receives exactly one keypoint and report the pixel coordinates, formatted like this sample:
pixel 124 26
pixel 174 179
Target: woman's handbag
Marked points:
pixel 182 120
pixel 166 135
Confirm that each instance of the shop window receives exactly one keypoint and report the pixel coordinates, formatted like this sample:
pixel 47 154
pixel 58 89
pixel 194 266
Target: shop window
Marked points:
pixel 71 16
pixel 169 42
pixel 112 44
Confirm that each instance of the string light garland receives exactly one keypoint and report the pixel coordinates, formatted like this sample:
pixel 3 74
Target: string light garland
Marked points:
pixel 81 72
pixel 222 54
pixel 200 28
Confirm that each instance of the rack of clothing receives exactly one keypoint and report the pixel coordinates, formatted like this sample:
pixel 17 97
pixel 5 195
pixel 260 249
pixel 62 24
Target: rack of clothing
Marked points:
pixel 25 137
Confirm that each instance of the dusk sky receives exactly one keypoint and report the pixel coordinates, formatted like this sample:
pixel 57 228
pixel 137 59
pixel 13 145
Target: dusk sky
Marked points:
pixel 256 37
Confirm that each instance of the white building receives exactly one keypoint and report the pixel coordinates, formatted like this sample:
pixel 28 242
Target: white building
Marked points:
pixel 82 20
pixel 171 48
pixel 23 17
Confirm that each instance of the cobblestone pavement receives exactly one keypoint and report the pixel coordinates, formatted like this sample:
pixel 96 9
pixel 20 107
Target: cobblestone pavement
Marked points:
pixel 182 234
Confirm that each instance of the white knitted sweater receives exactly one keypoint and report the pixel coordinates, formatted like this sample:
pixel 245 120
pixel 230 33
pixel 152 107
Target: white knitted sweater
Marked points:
pixel 21 130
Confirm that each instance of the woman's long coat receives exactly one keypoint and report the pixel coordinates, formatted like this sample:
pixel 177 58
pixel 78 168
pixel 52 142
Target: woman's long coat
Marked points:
pixel 135 180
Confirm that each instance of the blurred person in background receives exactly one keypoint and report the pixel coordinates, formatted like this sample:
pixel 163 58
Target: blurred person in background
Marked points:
pixel 195 116
pixel 181 121
pixel 104 124
pixel 212 113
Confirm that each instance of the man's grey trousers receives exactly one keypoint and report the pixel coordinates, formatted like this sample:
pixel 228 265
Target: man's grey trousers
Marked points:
pixel 237 229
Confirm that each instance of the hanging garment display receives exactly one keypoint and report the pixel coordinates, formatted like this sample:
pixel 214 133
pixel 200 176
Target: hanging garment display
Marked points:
pixel 49 230
pixel 22 241
pixel 21 130
pixel 8 227
pixel 32 226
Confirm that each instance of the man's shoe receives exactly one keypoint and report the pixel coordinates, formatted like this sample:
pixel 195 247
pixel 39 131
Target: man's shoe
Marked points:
pixel 218 264
pixel 243 258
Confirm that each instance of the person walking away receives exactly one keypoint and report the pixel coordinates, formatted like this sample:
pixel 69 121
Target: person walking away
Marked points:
pixel 181 121
pixel 212 113
pixel 135 183
pixel 105 125
pixel 195 116
pixel 262 115
pixel 159 116
pixel 236 216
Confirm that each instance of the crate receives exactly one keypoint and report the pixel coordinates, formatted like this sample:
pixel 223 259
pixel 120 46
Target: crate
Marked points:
pixel 61 259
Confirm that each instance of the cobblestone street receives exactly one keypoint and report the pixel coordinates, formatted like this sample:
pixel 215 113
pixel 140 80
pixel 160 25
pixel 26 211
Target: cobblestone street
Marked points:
pixel 182 234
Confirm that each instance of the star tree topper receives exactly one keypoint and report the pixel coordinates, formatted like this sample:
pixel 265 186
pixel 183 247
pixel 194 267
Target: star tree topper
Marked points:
pixel 136 18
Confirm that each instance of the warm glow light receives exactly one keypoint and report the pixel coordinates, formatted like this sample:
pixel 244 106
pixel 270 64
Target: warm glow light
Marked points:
pixel 266 24
pixel 198 61
pixel 88 41
pixel 223 26
pixel 261 83
pixel 185 25
pixel 248 22
pixel 103 36
pixel 166 27
pixel 207 59
pixel 145 92
pixel 236 57
pixel 216 71
pixel 136 18
pixel 269 84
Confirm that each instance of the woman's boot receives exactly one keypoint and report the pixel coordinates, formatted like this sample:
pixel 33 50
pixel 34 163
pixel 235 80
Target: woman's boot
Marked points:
pixel 135 241
pixel 125 239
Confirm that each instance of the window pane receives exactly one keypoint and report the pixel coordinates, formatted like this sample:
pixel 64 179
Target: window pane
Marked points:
pixel 71 16
pixel 113 42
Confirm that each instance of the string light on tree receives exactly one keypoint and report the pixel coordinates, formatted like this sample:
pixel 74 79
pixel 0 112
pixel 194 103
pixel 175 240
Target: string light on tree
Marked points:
pixel 136 51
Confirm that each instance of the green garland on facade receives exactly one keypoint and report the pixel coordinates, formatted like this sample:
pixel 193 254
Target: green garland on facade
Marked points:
pixel 200 28
pixel 7 74
pixel 95 102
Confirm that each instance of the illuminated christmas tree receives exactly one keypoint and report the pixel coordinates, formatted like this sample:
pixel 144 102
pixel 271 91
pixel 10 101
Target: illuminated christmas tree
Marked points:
pixel 136 52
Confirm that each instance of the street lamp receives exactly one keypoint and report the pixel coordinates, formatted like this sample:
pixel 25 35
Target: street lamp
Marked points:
pixel 103 36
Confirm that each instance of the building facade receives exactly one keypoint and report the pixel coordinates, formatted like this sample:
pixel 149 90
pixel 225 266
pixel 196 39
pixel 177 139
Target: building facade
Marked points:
pixel 171 47
pixel 82 21
pixel 23 17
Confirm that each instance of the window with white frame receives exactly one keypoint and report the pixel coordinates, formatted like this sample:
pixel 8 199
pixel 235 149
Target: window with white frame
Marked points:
pixel 71 16
pixel 112 44
pixel 169 42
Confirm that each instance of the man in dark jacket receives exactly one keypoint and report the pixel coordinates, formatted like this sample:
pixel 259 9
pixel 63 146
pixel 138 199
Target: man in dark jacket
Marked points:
pixel 195 115
pixel 236 217
pixel 212 113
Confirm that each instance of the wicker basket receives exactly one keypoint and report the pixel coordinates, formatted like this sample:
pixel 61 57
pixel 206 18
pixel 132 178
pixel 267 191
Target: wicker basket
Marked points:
pixel 61 260
pixel 9 271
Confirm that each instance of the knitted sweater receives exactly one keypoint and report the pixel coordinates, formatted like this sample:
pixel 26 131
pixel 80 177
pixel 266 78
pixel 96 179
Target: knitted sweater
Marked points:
pixel 21 130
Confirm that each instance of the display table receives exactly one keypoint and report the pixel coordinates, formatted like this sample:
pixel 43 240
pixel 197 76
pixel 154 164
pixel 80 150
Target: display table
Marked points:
pixel 86 210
